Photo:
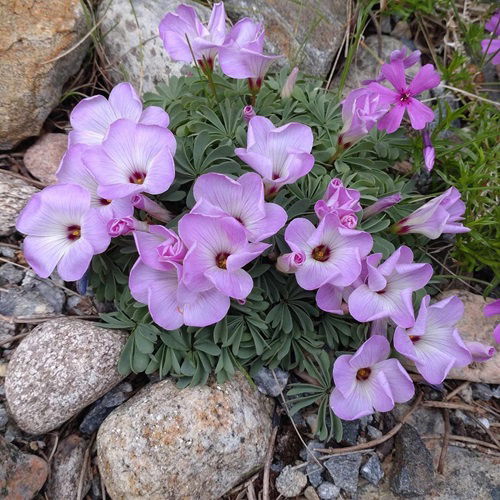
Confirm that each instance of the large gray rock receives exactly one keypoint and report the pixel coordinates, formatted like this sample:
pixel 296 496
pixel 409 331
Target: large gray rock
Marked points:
pixel 21 475
pixel 66 470
pixel 308 33
pixel 31 35
pixel 475 327
pixel 368 61
pixel 198 442
pixel 132 43
pixel 62 366
pixel 413 470
pixel 14 194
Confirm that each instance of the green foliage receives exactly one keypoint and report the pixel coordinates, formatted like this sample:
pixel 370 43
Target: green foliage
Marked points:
pixel 279 325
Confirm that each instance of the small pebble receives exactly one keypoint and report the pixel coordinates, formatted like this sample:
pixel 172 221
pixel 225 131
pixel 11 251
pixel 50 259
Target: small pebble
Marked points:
pixel 327 491
pixel 308 453
pixel 4 418
pixel 291 482
pixel 314 473
pixel 310 493
pixel 482 392
pixel 373 432
pixel 271 382
pixel 372 470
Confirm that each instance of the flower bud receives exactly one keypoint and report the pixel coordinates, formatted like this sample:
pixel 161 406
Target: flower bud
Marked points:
pixel 125 226
pixel 248 113
pixel 381 205
pixel 287 89
pixel 290 262
pixel 151 207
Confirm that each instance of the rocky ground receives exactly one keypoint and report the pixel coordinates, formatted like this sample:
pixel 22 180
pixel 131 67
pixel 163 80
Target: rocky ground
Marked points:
pixel 72 428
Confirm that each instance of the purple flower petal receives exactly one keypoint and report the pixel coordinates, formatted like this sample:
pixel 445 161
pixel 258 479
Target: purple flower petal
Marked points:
pixel 426 78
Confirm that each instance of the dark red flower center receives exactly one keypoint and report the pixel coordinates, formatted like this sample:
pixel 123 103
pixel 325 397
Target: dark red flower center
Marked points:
pixel 321 253
pixel 221 260
pixel 363 373
pixel 137 177
pixel 104 202
pixel 74 232
pixel 414 338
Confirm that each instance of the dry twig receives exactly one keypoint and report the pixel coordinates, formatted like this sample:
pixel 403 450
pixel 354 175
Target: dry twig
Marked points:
pixel 446 440
pixel 267 466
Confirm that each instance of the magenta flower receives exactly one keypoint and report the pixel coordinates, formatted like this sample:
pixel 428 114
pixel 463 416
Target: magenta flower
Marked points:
pixel 160 248
pixel 92 117
pixel 125 226
pixel 381 205
pixel 242 54
pixel 248 113
pixel 367 381
pixel 151 207
pixel 387 291
pixel 333 253
pixel 289 85
pixel 433 342
pixel 480 352
pixel 242 199
pixel 361 110
pixel 184 35
pixel 62 230
pixel 133 159
pixel 338 200
pixel 169 302
pixel 290 262
pixel 280 155
pixel 492 45
pixel 403 97
pixel 428 151
pixel 442 214
pixel 72 170
pixel 493 309
pixel 217 251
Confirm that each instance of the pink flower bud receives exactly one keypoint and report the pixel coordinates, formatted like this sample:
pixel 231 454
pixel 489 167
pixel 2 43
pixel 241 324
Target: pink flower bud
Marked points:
pixel 248 113
pixel 287 89
pixel 428 151
pixel 125 226
pixel 381 205
pixel 290 262
pixel 151 207
pixel 350 221
pixel 480 352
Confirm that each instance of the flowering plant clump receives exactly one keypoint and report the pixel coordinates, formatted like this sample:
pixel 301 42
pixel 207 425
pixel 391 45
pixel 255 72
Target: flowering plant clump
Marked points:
pixel 238 220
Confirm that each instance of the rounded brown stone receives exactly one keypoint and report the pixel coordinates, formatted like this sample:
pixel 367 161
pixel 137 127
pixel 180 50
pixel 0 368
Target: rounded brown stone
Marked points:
pixel 43 158
pixel 199 442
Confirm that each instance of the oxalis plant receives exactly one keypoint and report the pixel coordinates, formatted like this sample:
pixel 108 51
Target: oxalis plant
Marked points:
pixel 238 220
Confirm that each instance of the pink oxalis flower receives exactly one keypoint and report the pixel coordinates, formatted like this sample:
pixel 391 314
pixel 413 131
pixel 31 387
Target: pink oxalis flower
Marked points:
pixel 340 201
pixel 361 110
pixel 133 159
pixel 367 381
pixel 403 97
pixel 185 36
pixel 92 117
pixel 332 252
pixel 381 205
pixel 493 309
pixel 242 199
pixel 242 54
pixel 440 215
pixel 388 288
pixel 72 170
pixel 62 231
pixel 217 251
pixel 433 342
pixel 281 155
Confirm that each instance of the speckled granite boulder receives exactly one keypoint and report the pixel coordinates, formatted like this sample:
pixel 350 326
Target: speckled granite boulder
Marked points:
pixel 62 366
pixel 308 33
pixel 132 42
pixel 14 194
pixel 198 442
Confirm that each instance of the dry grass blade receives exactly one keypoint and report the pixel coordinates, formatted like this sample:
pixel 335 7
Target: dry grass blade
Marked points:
pixel 267 465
